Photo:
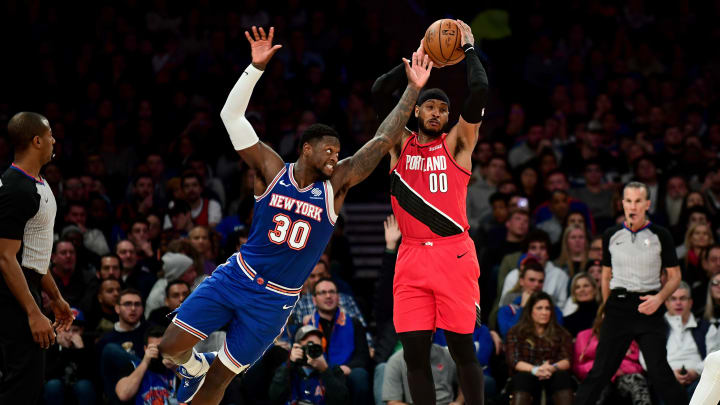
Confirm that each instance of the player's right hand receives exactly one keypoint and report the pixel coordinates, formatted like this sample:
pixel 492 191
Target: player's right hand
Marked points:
pixel 261 47
pixel 151 352
pixel 41 328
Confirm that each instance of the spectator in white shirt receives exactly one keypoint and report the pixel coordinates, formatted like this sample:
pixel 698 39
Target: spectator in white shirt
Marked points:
pixel 685 345
pixel 556 280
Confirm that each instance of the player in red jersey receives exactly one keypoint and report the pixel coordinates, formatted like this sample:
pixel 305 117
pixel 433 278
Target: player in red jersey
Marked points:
pixel 436 275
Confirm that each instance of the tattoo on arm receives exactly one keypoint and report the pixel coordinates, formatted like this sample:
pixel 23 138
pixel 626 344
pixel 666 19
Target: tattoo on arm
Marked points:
pixel 387 136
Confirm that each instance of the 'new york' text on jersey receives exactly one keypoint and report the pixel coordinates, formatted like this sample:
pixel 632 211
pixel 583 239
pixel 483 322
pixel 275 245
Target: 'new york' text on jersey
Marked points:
pixel 291 227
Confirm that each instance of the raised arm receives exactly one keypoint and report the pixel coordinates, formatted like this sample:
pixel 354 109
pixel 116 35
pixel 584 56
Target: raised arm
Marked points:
pixel 466 130
pixel 352 170
pixel 256 154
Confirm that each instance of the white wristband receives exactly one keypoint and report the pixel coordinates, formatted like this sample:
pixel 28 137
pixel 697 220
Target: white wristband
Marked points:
pixel 242 135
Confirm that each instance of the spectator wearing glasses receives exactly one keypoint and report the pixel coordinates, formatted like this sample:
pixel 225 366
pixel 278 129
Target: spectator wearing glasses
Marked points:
pixel 344 340
pixel 686 348
pixel 124 343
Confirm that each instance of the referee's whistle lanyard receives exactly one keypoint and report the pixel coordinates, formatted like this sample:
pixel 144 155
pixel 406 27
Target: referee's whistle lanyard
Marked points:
pixel 633 234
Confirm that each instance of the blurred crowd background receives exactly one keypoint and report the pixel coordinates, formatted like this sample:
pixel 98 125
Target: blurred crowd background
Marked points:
pixel 585 96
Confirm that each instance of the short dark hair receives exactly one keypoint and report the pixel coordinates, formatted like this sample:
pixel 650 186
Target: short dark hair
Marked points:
pixel 23 127
pixel 59 241
pixel 637 184
pixel 141 220
pixel 498 196
pixel 142 176
pixel 154 331
pixel 174 283
pixel 321 280
pixel 315 132
pixel 176 207
pixel 496 156
pixel 106 280
pixel 71 204
pixel 530 264
pixel 537 235
pixel 190 174
pixel 554 172
pixel 109 254
pixel 131 291
pixel 593 162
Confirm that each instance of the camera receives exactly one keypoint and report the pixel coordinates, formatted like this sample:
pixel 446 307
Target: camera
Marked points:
pixel 313 350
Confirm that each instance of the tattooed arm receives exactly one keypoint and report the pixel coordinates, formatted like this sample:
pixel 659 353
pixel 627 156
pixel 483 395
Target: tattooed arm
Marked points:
pixel 356 168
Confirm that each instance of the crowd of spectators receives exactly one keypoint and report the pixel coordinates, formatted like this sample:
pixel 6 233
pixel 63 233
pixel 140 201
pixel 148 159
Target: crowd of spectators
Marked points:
pixel 585 96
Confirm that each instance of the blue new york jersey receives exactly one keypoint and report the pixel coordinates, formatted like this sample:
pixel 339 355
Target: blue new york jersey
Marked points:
pixel 290 229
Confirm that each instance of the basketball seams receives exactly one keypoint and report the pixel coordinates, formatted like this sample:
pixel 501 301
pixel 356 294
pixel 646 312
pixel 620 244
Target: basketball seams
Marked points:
pixel 428 48
pixel 443 43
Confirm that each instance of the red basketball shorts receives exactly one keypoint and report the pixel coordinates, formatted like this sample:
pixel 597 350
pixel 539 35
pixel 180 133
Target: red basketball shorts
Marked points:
pixel 436 285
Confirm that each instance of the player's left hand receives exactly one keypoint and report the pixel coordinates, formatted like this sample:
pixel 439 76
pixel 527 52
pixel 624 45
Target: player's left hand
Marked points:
pixel 63 314
pixel 346 370
pixel 418 72
pixel 650 305
pixel 261 47
pixel 466 35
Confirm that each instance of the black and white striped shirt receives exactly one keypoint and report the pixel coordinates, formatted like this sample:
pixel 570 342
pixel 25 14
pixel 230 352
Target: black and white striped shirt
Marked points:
pixel 637 257
pixel 27 213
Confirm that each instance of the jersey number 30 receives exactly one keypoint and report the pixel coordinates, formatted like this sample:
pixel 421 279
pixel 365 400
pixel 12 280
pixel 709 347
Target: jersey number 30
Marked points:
pixel 294 233
pixel 438 181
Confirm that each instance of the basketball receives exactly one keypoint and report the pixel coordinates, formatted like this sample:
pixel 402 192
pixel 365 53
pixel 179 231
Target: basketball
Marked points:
pixel 442 43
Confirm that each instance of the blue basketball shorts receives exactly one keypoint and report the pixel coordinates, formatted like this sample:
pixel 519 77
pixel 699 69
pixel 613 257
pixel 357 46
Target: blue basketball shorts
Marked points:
pixel 254 309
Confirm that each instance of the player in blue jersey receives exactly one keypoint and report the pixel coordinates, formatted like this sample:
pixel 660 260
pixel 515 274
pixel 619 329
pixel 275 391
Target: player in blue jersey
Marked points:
pixel 295 205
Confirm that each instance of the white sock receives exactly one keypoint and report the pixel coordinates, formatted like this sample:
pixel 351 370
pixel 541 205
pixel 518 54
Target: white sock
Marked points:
pixel 194 366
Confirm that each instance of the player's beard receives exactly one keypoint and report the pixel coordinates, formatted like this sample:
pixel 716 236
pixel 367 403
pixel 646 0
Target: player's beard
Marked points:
pixel 429 132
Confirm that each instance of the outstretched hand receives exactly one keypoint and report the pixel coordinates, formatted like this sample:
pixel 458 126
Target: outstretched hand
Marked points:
pixel 261 47
pixel 418 72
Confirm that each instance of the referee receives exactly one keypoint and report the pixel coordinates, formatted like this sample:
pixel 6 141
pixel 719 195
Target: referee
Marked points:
pixel 633 255
pixel 27 215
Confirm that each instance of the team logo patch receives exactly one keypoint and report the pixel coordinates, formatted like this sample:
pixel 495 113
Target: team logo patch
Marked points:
pixel 316 192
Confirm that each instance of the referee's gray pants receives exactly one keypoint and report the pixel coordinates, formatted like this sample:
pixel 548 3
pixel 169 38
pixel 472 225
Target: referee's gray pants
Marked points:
pixel 22 361
pixel 623 324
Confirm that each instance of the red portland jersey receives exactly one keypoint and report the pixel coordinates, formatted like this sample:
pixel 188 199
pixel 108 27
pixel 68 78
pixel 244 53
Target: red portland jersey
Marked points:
pixel 428 190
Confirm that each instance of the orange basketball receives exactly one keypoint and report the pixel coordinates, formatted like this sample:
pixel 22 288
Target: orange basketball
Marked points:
pixel 442 43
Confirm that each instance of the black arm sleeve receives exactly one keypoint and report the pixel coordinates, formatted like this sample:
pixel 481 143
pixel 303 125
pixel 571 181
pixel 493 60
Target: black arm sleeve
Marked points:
pixel 668 255
pixel 384 87
pixel 474 107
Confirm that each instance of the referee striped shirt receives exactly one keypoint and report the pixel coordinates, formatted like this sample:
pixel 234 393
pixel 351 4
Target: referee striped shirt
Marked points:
pixel 27 213
pixel 637 257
